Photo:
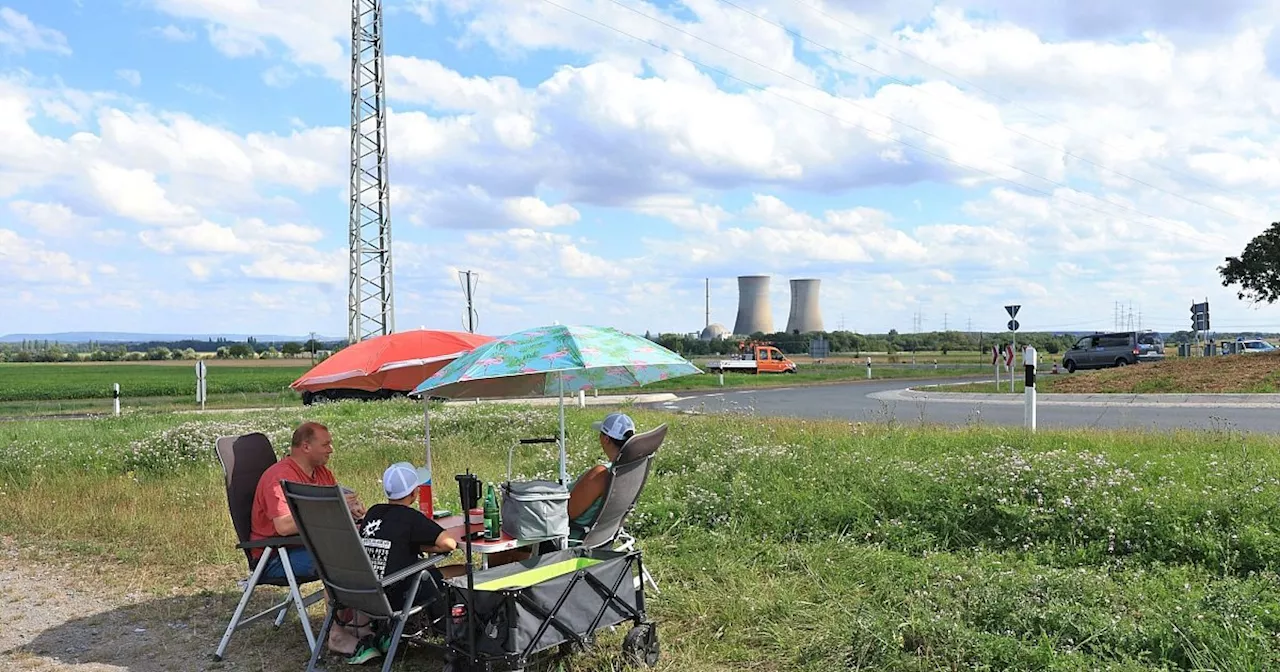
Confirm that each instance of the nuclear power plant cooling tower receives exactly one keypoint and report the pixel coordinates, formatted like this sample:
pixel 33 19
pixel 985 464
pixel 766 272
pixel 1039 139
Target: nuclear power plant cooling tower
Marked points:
pixel 754 312
pixel 805 315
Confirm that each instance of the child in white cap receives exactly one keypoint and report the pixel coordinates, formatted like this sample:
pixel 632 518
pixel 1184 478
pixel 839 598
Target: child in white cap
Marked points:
pixel 395 535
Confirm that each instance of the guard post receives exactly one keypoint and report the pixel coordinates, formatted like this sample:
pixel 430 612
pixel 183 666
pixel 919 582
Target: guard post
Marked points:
pixel 1029 367
pixel 115 398
pixel 202 388
pixel 868 368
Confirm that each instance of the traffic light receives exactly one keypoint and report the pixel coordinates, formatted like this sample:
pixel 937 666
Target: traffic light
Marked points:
pixel 1200 316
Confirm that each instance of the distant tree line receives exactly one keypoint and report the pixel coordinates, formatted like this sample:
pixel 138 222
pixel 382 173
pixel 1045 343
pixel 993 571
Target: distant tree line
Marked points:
pixel 39 350
pixel 848 342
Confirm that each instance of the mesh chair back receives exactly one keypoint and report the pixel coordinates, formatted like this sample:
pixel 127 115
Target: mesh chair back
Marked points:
pixel 244 459
pixel 626 482
pixel 325 524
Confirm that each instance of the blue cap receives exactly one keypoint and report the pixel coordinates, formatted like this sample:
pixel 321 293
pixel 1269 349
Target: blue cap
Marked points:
pixel 615 426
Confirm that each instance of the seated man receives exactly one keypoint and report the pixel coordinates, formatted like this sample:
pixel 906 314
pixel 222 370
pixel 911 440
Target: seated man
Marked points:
pixel 395 535
pixel 309 452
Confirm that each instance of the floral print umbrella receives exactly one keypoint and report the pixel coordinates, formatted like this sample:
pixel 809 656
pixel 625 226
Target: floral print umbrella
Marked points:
pixel 537 361
pixel 552 361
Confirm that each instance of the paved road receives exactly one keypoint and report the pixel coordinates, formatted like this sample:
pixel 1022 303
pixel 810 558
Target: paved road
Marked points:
pixel 879 400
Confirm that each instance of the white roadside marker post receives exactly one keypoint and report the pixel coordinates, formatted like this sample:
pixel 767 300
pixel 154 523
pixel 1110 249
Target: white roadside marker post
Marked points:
pixel 201 387
pixel 868 368
pixel 1029 366
pixel 115 398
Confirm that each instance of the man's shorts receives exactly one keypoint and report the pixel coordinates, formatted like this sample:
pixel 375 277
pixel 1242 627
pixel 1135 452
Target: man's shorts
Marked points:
pixel 300 560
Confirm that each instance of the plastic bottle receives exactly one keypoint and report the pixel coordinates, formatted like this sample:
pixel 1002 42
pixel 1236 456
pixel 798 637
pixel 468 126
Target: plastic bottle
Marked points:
pixel 492 523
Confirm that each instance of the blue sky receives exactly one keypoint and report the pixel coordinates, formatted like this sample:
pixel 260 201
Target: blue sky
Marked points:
pixel 180 165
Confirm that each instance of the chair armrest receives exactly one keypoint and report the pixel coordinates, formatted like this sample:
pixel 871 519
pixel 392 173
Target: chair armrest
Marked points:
pixel 412 569
pixel 272 542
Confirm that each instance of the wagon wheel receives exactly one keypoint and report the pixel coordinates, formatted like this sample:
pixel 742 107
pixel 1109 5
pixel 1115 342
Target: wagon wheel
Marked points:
pixel 640 646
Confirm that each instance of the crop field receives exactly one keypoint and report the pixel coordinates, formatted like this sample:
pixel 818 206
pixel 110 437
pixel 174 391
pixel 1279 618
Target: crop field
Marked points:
pixel 33 382
pixel 776 544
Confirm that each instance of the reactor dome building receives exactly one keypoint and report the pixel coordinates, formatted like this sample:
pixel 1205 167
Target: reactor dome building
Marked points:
pixel 713 332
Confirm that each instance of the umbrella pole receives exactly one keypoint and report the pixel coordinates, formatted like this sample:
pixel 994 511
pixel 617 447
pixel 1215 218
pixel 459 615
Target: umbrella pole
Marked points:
pixel 426 428
pixel 564 466
pixel 427 506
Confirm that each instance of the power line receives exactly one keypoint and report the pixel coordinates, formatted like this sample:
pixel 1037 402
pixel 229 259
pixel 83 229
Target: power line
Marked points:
pixel 943 157
pixel 999 96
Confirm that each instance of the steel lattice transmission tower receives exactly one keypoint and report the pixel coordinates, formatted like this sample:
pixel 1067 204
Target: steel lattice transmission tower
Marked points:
pixel 370 311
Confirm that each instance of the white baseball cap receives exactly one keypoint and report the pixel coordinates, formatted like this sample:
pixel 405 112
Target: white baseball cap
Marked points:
pixel 399 480
pixel 615 425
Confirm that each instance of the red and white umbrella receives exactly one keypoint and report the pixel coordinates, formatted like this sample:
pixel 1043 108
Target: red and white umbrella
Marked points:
pixel 398 361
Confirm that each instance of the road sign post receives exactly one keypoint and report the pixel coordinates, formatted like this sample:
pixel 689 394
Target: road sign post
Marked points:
pixel 1013 329
pixel 1029 370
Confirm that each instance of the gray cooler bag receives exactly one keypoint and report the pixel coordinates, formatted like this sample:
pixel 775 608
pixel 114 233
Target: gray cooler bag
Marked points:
pixel 535 509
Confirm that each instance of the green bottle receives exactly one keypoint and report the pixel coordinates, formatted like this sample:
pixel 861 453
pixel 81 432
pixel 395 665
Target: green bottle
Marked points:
pixel 492 521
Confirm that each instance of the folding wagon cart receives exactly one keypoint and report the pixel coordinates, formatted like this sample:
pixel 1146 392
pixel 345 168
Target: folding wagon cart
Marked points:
pixel 501 617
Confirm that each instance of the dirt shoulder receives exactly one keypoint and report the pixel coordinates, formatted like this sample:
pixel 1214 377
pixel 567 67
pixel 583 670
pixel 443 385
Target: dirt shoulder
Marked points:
pixel 69 617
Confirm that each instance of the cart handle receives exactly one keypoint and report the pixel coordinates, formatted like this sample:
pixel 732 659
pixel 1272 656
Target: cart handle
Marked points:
pixel 524 442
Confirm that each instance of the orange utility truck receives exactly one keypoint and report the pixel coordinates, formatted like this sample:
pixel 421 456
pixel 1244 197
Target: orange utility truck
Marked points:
pixel 754 358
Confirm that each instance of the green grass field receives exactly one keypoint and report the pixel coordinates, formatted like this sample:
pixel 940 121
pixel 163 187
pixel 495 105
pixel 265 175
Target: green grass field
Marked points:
pixel 34 382
pixel 777 544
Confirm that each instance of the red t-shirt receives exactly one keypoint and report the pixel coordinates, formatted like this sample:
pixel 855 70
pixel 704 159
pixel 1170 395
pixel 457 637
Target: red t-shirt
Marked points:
pixel 268 499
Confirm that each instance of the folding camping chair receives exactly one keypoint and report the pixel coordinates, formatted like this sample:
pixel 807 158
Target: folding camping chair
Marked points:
pixel 627 477
pixel 244 459
pixel 327 530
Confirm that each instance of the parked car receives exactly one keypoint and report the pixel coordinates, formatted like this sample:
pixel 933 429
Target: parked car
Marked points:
pixel 1254 345
pixel 1120 348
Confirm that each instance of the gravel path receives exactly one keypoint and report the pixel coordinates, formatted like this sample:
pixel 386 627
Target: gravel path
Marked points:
pixel 67 618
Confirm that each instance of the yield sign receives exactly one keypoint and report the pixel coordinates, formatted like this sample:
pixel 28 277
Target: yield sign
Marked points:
pixel 1012 310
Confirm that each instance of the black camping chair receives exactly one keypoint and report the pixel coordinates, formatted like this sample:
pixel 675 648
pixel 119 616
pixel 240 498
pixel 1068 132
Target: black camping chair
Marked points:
pixel 627 478
pixel 327 530
pixel 244 459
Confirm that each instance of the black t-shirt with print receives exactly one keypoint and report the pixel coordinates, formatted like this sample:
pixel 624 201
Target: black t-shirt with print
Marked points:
pixel 393 536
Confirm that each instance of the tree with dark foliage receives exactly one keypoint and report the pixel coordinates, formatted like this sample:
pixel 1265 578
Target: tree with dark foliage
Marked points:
pixel 1257 269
